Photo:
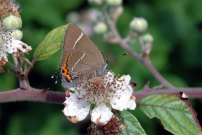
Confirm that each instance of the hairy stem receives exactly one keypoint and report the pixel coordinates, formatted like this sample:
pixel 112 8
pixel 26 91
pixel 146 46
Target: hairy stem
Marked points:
pixel 22 77
pixel 32 94
pixel 49 96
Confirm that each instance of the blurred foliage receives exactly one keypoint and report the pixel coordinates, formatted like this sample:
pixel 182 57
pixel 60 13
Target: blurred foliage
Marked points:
pixel 177 30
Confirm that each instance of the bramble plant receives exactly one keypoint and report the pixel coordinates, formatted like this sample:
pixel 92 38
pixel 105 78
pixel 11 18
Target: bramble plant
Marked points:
pixel 106 97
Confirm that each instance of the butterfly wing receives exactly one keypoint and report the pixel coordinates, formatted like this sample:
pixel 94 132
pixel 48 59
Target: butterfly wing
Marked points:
pixel 80 55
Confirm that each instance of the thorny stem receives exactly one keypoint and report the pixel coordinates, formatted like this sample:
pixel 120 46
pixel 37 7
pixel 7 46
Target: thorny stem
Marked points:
pixel 143 59
pixel 48 96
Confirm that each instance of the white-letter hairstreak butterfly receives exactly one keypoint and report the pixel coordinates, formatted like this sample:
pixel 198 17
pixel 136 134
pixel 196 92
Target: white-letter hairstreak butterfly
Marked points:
pixel 81 58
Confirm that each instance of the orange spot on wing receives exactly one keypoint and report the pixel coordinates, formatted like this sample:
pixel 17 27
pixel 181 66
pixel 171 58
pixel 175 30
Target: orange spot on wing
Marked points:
pixel 65 72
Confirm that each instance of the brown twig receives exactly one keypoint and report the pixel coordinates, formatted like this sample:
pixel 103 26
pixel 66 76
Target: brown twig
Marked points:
pixel 48 96
pixel 32 94
pixel 155 73
pixel 143 59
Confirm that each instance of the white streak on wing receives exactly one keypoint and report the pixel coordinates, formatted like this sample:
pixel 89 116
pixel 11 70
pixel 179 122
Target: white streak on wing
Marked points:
pixel 78 61
pixel 79 38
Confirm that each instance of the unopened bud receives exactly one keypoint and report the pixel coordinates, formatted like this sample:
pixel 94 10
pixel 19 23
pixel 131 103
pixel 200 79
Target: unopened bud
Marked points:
pixel 146 44
pixel 114 2
pixel 97 2
pixel 116 12
pixel 12 22
pixel 100 28
pixel 138 24
pixel 17 34
pixel 147 38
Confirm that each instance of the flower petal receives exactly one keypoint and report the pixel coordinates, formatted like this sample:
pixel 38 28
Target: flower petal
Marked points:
pixel 109 77
pixel 17 44
pixel 76 108
pixel 122 98
pixel 101 114
pixel 131 104
pixel 126 78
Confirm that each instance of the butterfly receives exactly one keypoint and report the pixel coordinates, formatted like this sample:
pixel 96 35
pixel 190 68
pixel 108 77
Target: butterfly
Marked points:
pixel 81 58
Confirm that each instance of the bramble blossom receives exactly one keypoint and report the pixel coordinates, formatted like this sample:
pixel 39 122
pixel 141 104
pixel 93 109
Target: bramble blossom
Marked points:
pixel 104 92
pixel 10 45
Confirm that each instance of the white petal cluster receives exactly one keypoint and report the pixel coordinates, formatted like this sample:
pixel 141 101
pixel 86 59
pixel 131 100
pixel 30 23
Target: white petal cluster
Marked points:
pixel 79 107
pixel 10 36
pixel 10 45
pixel 104 92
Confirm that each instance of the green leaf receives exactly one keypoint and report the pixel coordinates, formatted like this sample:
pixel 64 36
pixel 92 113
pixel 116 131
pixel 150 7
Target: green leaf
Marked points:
pixel 176 115
pixel 51 44
pixel 132 125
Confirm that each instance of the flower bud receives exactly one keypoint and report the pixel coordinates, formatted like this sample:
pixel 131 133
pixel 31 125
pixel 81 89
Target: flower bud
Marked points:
pixel 17 34
pixel 100 28
pixel 12 22
pixel 146 45
pixel 114 2
pixel 147 38
pixel 97 2
pixel 138 24
pixel 116 12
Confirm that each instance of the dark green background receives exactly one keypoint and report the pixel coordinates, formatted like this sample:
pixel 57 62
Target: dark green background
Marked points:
pixel 177 30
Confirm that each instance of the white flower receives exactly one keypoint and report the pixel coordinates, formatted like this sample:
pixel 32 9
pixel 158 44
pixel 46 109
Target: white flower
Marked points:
pixel 101 114
pixel 16 45
pixel 104 92
pixel 9 44
pixel 76 107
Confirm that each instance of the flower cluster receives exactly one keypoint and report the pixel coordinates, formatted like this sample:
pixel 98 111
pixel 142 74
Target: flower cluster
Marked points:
pixel 10 35
pixel 8 7
pixel 104 92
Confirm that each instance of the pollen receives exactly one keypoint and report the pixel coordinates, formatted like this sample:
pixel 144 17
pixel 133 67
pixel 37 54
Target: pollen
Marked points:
pixel 96 89
pixel 97 83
